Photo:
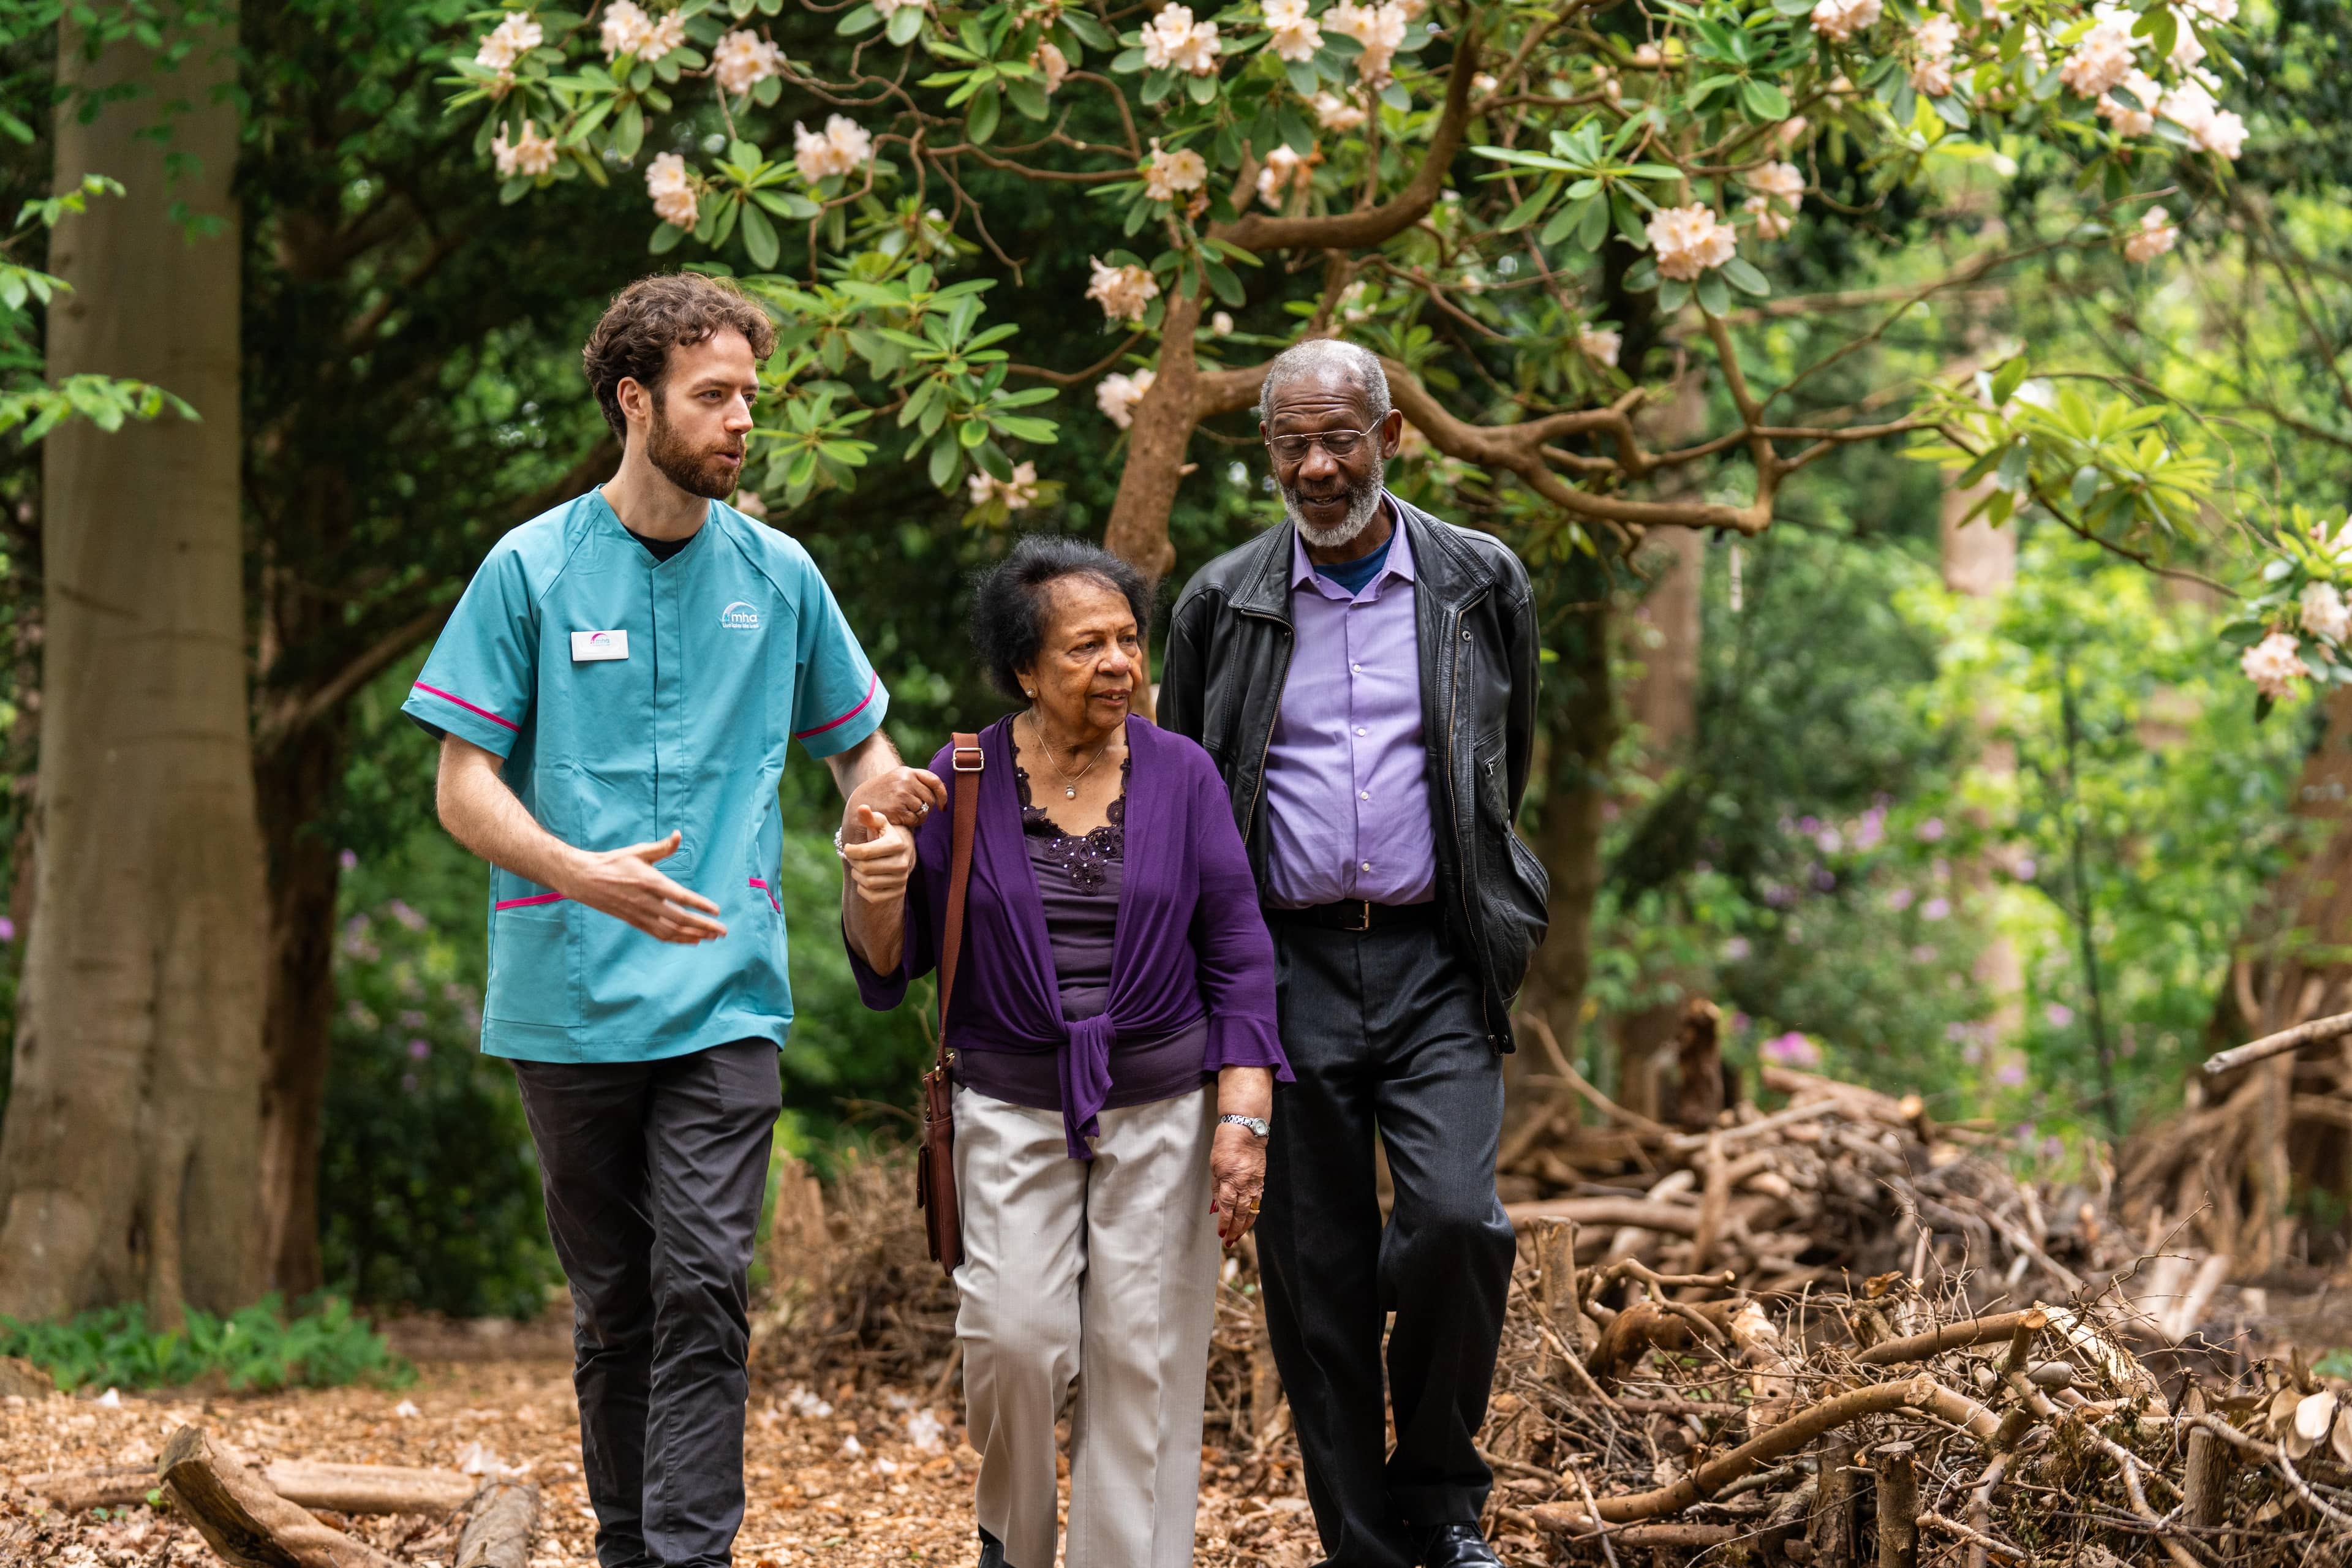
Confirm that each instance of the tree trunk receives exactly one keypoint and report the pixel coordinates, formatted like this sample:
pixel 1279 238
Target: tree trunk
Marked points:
pixel 1981 561
pixel 295 784
pixel 1138 530
pixel 130 1154
pixel 1584 730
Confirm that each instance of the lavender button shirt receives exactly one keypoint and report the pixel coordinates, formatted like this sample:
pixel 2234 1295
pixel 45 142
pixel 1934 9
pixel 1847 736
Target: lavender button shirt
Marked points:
pixel 1347 776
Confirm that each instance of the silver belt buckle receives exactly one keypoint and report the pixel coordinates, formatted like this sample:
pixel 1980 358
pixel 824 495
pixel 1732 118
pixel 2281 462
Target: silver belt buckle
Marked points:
pixel 1364 919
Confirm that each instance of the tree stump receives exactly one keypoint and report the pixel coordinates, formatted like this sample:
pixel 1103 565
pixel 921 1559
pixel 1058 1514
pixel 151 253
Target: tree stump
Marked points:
pixel 1698 1060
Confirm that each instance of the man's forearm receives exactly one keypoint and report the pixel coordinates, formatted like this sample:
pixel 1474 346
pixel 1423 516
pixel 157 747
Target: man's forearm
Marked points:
pixel 870 757
pixel 482 814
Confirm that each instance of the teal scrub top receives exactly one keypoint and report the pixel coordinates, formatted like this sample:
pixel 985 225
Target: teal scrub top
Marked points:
pixel 629 698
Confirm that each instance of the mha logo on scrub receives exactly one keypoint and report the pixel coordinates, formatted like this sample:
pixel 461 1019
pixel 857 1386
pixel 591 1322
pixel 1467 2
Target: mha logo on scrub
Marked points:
pixel 740 616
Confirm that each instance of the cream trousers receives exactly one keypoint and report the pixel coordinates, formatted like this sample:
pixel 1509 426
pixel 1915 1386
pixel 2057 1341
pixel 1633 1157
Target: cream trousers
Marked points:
pixel 1089 1284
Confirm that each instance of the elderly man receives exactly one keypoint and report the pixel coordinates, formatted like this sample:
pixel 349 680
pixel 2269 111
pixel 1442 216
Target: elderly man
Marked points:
pixel 1365 676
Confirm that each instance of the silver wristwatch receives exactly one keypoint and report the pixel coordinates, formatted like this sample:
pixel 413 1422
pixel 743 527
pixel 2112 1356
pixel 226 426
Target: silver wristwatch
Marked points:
pixel 1256 1124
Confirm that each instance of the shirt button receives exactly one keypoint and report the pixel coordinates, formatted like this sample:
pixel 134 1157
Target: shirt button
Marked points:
pixel 1360 729
pixel 1356 668
pixel 1365 867
pixel 1363 795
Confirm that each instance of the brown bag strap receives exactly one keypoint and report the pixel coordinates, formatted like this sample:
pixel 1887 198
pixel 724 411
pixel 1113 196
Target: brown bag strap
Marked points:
pixel 967 761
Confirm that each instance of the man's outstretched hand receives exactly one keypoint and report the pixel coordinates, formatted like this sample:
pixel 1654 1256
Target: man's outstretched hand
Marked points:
pixel 624 884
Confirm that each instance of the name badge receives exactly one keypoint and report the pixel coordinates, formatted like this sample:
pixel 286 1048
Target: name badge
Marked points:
pixel 589 647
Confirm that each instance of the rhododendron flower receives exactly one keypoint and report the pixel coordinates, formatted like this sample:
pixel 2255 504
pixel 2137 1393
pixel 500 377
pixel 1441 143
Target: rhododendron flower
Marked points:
pixel 1648 58
pixel 530 154
pixel 2103 57
pixel 1840 20
pixel 1294 35
pixel 628 30
pixel 1117 393
pixel 1781 191
pixel 1379 28
pixel 1600 344
pixel 845 148
pixel 1792 1049
pixel 1123 292
pixel 2132 122
pixel 887 9
pixel 1792 131
pixel 2222 11
pixel 1935 40
pixel 1168 172
pixel 1688 240
pixel 1018 493
pixel 1284 172
pixel 672 189
pixel 2156 235
pixel 1221 325
pixel 2190 106
pixel 508 42
pixel 1172 40
pixel 1484 83
pixel 1054 64
pixel 2275 665
pixel 743 59
pixel 1336 113
pixel 2325 614
pixel 2188 50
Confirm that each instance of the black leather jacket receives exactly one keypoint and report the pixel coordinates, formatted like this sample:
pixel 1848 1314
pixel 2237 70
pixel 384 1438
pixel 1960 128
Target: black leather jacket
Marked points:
pixel 1229 655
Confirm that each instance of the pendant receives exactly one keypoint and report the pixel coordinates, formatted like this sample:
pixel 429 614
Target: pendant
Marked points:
pixel 1072 792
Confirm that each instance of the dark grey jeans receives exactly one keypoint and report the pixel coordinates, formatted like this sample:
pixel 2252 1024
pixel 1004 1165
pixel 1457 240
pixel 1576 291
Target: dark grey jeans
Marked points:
pixel 1383 1032
pixel 654 1174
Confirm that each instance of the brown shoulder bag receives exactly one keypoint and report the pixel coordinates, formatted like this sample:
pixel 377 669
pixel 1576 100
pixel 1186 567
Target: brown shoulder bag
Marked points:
pixel 935 1185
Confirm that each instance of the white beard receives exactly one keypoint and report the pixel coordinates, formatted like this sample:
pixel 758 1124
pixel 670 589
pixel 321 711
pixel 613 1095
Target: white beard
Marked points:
pixel 1362 508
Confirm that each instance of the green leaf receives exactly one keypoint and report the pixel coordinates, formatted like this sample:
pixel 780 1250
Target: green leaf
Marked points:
pixel 1742 275
pixel 1201 89
pixel 1643 276
pixel 864 19
pixel 2086 483
pixel 2007 379
pixel 1566 221
pixel 1951 111
pixel 1028 97
pixel 904 22
pixel 1764 100
pixel 971 434
pixel 979 119
pixel 1594 228
pixel 1303 79
pixel 943 462
pixel 1158 85
pixel 1228 287
pixel 1527 210
pixel 1713 294
pixel 1396 98
pixel 629 131
pixel 1089 32
pixel 1126 62
pixel 759 237
pixel 1672 295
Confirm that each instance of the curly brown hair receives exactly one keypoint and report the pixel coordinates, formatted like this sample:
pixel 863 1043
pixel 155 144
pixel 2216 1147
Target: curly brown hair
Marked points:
pixel 654 315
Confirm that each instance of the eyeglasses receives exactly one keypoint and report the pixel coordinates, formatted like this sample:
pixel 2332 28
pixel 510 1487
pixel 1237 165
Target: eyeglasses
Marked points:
pixel 1340 444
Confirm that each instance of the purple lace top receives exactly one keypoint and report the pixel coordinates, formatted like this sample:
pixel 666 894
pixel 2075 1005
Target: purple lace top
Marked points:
pixel 1079 878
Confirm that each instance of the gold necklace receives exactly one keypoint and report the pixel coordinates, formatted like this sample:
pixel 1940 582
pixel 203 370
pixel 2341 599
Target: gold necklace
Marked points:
pixel 1069 780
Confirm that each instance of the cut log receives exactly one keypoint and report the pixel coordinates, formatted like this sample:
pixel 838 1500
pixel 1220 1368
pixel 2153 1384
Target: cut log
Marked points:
pixel 1898 1507
pixel 1639 1213
pixel 246 1522
pixel 345 1489
pixel 500 1524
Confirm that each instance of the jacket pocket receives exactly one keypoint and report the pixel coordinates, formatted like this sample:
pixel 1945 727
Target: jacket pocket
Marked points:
pixel 531 968
pixel 1512 892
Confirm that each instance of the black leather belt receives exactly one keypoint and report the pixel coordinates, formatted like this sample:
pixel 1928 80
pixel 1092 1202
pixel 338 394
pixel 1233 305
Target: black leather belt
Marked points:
pixel 1356 914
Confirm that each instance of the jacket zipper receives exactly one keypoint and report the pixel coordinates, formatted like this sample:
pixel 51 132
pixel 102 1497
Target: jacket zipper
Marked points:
pixel 1468 847
pixel 1282 678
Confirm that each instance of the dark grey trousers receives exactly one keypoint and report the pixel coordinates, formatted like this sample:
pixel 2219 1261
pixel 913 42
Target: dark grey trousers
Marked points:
pixel 654 1174
pixel 1384 1034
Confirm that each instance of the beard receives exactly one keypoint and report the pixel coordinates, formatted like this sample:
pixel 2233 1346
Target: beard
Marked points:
pixel 1363 505
pixel 698 470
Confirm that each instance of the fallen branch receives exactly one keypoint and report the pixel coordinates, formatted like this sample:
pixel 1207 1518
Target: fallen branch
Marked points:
pixel 345 1489
pixel 246 1522
pixel 498 1526
pixel 1944 1337
pixel 2285 1040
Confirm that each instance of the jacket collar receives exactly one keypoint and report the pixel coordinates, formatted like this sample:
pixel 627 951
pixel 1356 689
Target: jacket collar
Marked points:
pixel 1263 585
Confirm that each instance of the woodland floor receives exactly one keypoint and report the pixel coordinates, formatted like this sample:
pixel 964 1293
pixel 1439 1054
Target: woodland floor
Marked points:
pixel 853 1485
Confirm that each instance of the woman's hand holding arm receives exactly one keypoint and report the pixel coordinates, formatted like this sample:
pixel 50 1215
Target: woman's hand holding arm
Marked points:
pixel 874 889
pixel 1237 1156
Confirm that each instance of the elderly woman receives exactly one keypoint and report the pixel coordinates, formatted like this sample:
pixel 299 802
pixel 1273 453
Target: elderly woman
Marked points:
pixel 1113 1030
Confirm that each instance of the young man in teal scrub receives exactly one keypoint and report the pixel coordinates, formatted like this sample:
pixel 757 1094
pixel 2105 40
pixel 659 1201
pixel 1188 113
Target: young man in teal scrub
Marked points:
pixel 614 695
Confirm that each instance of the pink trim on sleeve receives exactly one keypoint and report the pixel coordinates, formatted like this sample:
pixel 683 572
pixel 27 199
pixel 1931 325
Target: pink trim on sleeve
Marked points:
pixel 526 903
pixel 436 691
pixel 871 685
pixel 770 891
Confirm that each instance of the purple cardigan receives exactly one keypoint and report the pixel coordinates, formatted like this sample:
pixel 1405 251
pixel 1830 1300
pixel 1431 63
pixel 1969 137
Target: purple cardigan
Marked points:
pixel 1190 939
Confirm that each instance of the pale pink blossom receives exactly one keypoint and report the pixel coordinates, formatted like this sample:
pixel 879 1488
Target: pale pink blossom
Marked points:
pixel 2128 120
pixel 1599 344
pixel 2190 106
pixel 1295 35
pixel 1284 172
pixel 1336 113
pixel 530 154
pixel 1936 38
pixel 628 30
pixel 1018 493
pixel 844 148
pixel 1173 41
pixel 743 59
pixel 1688 240
pixel 1221 325
pixel 1166 174
pixel 2156 236
pixel 2324 612
pixel 2275 665
pixel 2221 10
pixel 2187 49
pixel 1117 393
pixel 1840 20
pixel 1933 77
pixel 2103 57
pixel 1648 58
pixel 1379 28
pixel 508 42
pixel 887 9
pixel 672 189
pixel 1052 64
pixel 1792 131
pixel 1124 292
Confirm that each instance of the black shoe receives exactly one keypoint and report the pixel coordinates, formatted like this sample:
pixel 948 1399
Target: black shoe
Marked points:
pixel 991 1552
pixel 1457 1546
